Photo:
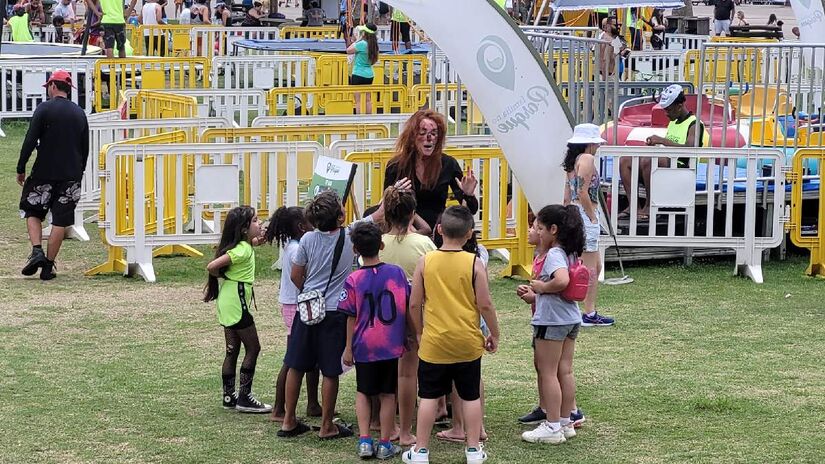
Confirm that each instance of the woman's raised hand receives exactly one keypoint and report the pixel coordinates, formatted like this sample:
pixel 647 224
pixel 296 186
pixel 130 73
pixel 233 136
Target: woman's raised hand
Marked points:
pixel 468 184
pixel 403 184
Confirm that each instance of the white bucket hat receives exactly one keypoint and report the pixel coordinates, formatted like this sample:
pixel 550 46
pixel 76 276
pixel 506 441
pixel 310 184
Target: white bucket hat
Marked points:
pixel 587 133
pixel 670 94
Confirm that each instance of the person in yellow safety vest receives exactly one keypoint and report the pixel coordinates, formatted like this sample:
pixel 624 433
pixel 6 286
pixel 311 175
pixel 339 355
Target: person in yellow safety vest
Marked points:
pixel 681 132
pixel 400 26
pixel 600 13
pixel 635 23
pixel 19 24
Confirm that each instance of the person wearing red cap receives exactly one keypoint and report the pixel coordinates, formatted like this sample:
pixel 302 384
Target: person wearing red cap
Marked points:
pixel 60 133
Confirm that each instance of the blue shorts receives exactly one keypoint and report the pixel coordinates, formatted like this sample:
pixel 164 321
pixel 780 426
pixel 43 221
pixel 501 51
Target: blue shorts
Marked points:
pixel 320 345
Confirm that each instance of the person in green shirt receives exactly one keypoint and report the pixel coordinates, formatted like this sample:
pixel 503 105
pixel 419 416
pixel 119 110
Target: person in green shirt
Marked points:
pixel 114 14
pixel 234 264
pixel 366 54
pixel 19 24
pixel 400 25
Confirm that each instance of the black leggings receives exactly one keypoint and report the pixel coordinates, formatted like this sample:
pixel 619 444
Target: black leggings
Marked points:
pixel 252 347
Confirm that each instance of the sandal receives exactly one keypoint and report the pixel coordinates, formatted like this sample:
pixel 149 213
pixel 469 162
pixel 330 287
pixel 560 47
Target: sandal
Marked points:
pixel 343 432
pixel 444 437
pixel 299 429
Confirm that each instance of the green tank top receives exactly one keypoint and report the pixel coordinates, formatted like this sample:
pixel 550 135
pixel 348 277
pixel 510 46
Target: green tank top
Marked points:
pixel 678 132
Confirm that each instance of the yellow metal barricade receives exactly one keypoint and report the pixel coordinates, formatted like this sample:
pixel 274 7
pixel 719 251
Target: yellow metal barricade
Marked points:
pixel 339 99
pixel 406 70
pixel 317 32
pixel 115 262
pixel 374 163
pixel 163 40
pixel 147 104
pixel 115 75
pixel 813 241
pixel 723 66
pixel 324 135
pixel 447 101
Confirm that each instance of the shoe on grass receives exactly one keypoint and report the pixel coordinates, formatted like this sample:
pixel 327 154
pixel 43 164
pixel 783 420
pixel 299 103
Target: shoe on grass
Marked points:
pixel 416 456
pixel 596 320
pixel 230 400
pixel 568 431
pixel 365 448
pixel 47 272
pixel 536 416
pixel 475 455
pixel 577 418
pixel 387 451
pixel 249 404
pixel 544 433
pixel 37 259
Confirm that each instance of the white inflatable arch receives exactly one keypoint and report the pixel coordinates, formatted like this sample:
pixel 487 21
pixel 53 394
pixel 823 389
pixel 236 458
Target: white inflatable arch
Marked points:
pixel 510 84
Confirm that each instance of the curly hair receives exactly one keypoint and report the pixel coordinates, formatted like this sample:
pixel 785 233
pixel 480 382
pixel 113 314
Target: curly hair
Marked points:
pixel 399 209
pixel 568 221
pixel 285 225
pixel 406 151
pixel 325 211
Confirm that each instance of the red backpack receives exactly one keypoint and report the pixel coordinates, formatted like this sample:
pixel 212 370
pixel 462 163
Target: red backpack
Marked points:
pixel 576 289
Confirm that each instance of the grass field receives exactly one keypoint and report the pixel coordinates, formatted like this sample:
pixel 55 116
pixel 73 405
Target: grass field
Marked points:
pixel 701 367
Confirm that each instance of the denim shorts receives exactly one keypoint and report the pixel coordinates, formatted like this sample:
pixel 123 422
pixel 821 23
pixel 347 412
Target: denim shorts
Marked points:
pixel 556 332
pixel 591 232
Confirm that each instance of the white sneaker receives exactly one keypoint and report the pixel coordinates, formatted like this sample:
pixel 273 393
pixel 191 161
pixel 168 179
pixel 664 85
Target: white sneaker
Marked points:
pixel 544 434
pixel 421 456
pixel 568 431
pixel 476 456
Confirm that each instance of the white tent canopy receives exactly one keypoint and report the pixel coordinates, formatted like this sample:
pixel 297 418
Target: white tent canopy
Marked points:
pixel 567 5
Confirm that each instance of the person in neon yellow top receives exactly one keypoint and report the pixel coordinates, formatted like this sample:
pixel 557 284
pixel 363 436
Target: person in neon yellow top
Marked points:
pixel 19 24
pixel 400 24
pixel 681 132
pixel 114 23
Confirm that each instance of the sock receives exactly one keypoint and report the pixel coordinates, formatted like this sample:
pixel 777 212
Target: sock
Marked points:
pixel 554 425
pixel 385 443
pixel 591 313
pixel 565 421
pixel 228 383
pixel 37 247
pixel 246 380
pixel 365 439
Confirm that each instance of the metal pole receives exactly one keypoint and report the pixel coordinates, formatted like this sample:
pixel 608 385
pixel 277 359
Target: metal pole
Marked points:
pixel 84 40
pixel 541 10
pixel 2 16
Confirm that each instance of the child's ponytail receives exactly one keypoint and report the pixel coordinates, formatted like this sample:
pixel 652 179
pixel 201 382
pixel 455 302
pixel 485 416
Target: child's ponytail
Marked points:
pixel 399 209
pixel 285 225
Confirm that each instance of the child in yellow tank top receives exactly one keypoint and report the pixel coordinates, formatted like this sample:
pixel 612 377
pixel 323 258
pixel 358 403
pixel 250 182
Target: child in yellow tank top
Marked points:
pixel 450 291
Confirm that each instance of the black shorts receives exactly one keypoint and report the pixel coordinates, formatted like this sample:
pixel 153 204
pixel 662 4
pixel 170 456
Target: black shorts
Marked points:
pixel 436 380
pixel 41 196
pixel 320 345
pixel 376 378
pixel 360 80
pixel 245 321
pixel 114 33
pixel 404 28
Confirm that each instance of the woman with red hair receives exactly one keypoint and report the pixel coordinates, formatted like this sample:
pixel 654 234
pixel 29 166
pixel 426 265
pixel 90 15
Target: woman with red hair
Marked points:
pixel 419 157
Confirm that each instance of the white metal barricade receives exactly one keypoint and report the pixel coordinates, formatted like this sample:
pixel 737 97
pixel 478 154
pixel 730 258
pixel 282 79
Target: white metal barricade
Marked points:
pixel 220 41
pixel 394 122
pixel 263 72
pixel 685 41
pixel 103 132
pixel 384 34
pixel 21 86
pixel 720 184
pixel 236 105
pixel 216 186
pixel 656 65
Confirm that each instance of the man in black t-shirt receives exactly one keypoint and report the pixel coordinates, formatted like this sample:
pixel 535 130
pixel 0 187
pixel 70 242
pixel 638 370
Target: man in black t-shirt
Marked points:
pixel 723 11
pixel 60 133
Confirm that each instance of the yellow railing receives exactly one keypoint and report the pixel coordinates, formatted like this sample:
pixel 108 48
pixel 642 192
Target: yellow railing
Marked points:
pixel 162 40
pixel 319 32
pixel 115 75
pixel 339 99
pixel 813 242
pixel 373 165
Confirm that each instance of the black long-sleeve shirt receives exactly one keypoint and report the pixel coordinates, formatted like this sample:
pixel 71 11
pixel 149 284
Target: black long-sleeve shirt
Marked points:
pixel 59 131
pixel 431 203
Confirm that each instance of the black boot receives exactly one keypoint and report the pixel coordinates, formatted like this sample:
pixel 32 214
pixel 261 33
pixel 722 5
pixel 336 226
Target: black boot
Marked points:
pixel 230 397
pixel 246 399
pixel 36 260
pixel 47 273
